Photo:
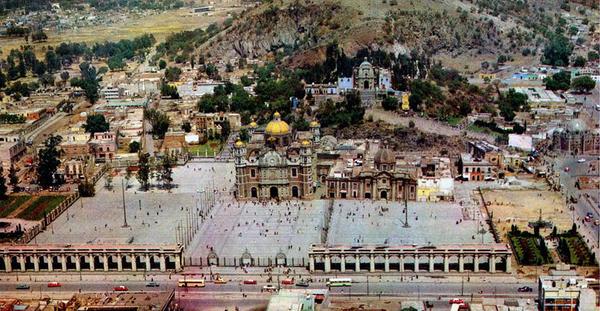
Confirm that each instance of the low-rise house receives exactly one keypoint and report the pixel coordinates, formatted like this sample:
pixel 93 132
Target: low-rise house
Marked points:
pixel 174 145
pixel 104 146
pixel 475 169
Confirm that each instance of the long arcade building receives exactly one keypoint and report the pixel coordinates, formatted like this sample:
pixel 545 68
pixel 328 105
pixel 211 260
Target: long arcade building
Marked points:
pixel 35 258
pixel 461 257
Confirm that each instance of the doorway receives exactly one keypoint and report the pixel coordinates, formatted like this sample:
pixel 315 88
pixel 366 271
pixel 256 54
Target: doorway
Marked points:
pixel 274 193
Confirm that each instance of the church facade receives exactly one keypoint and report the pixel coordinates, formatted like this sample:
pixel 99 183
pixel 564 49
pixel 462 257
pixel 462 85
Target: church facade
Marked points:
pixel 275 163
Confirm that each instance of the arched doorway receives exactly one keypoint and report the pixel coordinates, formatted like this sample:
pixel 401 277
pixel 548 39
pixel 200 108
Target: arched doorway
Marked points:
pixel 254 192
pixel 295 192
pixel 383 195
pixel 274 192
pixel 366 85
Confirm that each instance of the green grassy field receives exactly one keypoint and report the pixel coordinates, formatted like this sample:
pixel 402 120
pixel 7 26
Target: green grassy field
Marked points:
pixel 209 149
pixel 11 203
pixel 160 25
pixel 42 205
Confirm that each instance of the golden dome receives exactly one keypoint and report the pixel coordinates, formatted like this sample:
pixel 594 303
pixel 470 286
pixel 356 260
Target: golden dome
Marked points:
pixel 314 124
pixel 305 143
pixel 253 124
pixel 239 144
pixel 277 126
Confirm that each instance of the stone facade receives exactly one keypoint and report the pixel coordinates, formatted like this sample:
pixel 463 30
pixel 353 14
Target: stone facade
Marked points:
pixel 273 165
pixel 576 138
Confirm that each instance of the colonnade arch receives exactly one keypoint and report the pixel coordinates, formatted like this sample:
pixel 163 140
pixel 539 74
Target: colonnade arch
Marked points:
pixel 90 258
pixel 459 258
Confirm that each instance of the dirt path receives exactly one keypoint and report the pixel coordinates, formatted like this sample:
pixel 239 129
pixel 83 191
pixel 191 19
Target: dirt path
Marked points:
pixel 21 208
pixel 425 125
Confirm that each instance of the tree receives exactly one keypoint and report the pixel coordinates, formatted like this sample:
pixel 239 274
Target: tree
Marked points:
pixel 511 102
pixel 225 130
pixel 96 123
pixel 47 79
pixel 64 76
pixel 88 82
pixel 186 127
pixel 172 74
pixel 86 188
pixel 244 135
pixel 583 84
pixel 3 188
pixel 593 56
pixel 38 36
pixel 108 179
pixel 48 162
pixel 127 177
pixel 162 64
pixel 143 174
pixel 169 91
pixel 116 63
pixel 2 80
pixel 52 61
pixel 558 81
pixel 166 171
pixel 390 103
pixel 134 147
pixel 579 61
pixel 557 50
pixel 13 179
pixel 211 71
pixel 159 121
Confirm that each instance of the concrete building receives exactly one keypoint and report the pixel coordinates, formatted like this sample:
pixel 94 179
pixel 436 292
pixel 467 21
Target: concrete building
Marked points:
pixel 292 300
pixel 104 146
pixel 209 124
pixel 565 293
pixel 374 175
pixel 274 165
pixel 111 92
pixel 575 137
pixel 197 88
pixel 174 145
pixel 539 97
pixel 435 182
pixel 475 169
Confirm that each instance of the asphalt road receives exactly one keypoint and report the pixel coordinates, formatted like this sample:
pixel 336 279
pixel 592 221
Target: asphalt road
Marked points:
pixel 405 287
pixel 585 204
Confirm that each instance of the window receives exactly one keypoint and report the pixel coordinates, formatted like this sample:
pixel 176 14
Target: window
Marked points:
pixel 294 172
pixel 252 173
pixel 466 169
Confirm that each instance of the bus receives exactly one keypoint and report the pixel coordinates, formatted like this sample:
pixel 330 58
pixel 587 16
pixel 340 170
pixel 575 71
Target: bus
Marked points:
pixel 191 283
pixel 339 282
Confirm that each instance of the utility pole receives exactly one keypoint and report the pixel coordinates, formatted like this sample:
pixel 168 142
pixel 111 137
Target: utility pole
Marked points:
pixel 406 225
pixel 124 210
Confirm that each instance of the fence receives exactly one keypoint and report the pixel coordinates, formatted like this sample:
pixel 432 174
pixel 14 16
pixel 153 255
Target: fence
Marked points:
pixel 239 261
pixel 66 203
pixel 490 220
pixel 35 230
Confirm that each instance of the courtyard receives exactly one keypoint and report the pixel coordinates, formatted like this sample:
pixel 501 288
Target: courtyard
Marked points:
pixel 256 232
pixel 153 216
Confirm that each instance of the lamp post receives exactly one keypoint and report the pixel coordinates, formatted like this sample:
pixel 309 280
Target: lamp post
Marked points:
pixel 124 210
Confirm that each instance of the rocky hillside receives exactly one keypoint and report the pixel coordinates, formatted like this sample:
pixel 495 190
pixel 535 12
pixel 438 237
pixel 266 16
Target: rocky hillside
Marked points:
pixel 301 29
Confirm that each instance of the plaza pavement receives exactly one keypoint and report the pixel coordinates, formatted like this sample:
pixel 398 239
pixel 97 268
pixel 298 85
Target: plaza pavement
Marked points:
pixel 99 219
pixel 262 229
pixel 380 222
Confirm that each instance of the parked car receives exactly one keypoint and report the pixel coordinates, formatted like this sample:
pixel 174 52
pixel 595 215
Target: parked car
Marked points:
pixel 220 281
pixel 582 160
pixel 152 284
pixel 287 282
pixel 456 301
pixel 54 284
pixel 302 283
pixel 22 286
pixel 121 288
pixel 269 288
pixel 525 289
pixel 249 282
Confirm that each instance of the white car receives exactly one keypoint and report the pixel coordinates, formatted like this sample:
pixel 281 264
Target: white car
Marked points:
pixel 581 160
pixel 269 288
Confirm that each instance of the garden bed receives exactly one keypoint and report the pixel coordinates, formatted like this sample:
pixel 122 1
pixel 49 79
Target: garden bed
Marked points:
pixel 530 249
pixel 573 250
pixel 8 205
pixel 41 206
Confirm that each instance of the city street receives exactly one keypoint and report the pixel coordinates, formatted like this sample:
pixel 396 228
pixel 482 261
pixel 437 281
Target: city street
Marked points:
pixel 585 204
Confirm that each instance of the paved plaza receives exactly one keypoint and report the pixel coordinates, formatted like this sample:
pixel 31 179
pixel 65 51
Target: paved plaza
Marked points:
pixel 261 229
pixel 380 222
pixel 99 219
